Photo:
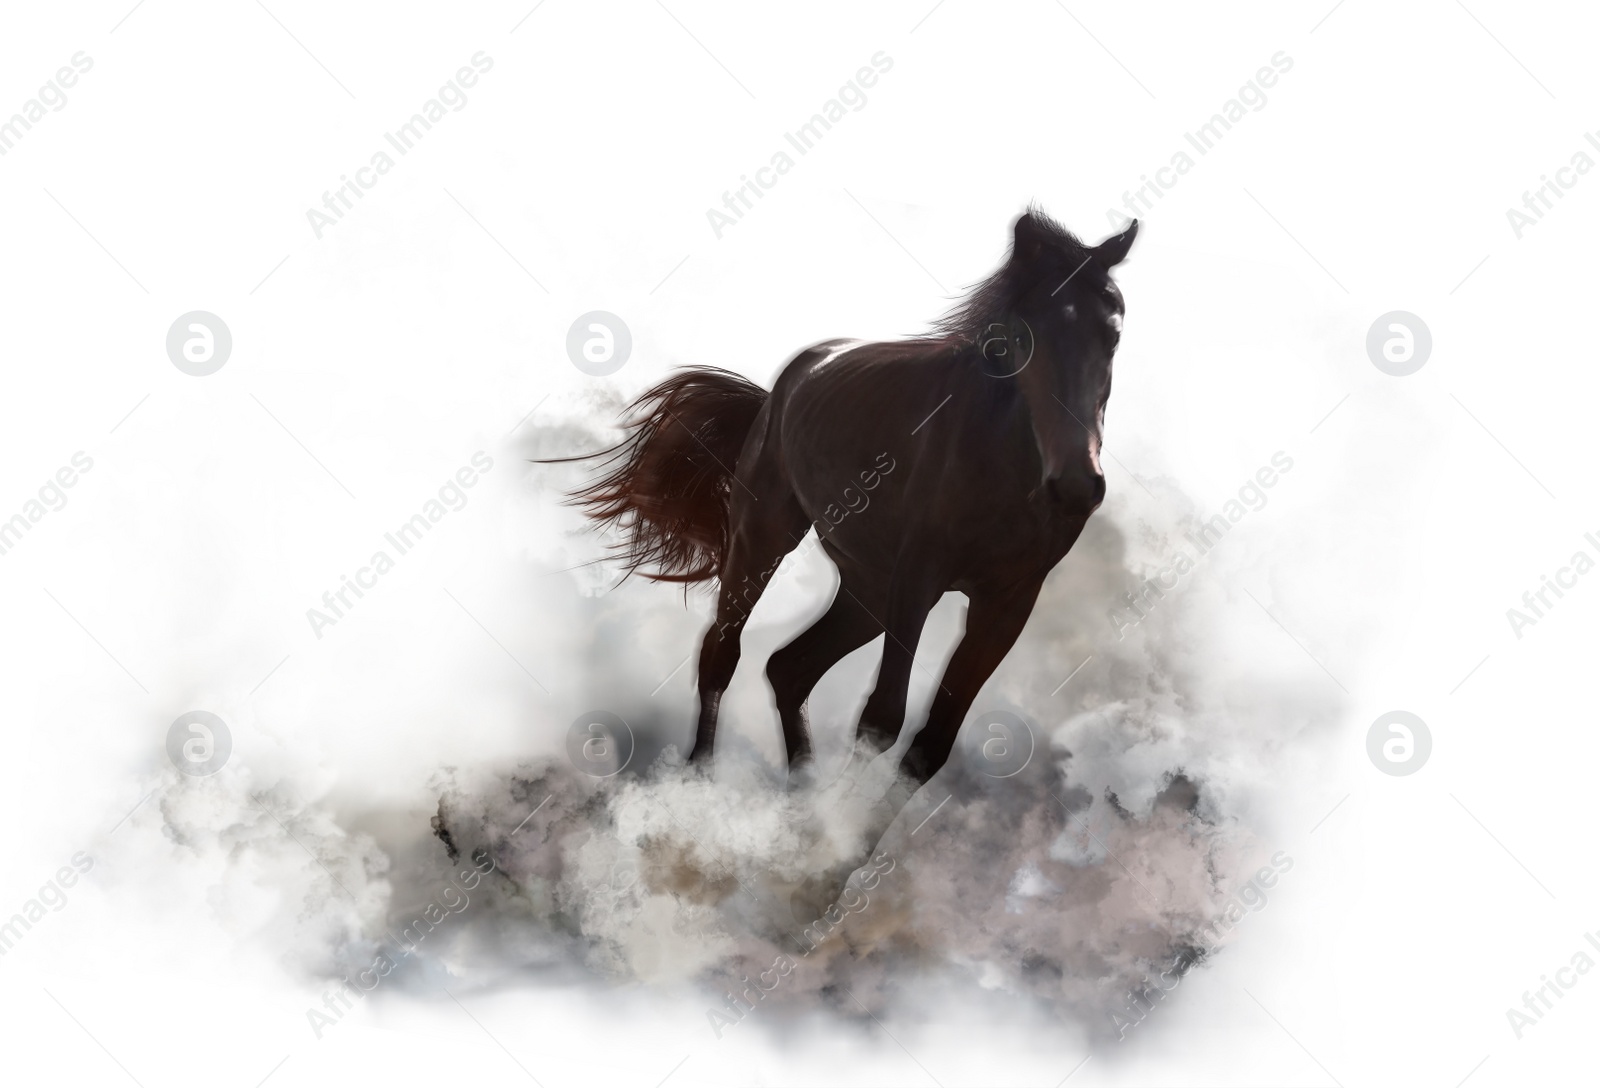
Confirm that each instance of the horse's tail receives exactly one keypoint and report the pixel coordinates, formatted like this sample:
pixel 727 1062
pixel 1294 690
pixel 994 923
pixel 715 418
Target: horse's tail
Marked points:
pixel 672 477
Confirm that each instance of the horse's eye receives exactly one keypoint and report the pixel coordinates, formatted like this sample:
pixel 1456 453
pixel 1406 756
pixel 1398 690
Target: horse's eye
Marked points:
pixel 1115 322
pixel 1070 310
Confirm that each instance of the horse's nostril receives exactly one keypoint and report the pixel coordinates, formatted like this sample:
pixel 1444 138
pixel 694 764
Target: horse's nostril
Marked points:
pixel 1098 490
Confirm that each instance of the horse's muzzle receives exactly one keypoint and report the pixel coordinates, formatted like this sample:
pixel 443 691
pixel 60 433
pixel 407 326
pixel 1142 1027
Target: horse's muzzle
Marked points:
pixel 1086 490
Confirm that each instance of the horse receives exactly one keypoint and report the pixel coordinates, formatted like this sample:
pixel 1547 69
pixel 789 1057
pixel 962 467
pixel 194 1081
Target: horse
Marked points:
pixel 965 459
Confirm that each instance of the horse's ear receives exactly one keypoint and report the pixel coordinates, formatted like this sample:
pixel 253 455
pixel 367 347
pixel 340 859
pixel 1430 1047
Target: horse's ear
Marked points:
pixel 1028 239
pixel 1111 252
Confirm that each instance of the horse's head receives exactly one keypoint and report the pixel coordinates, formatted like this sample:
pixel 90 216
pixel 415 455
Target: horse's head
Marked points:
pixel 1054 333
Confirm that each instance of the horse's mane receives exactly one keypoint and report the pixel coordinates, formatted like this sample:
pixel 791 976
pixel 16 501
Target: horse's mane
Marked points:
pixel 991 300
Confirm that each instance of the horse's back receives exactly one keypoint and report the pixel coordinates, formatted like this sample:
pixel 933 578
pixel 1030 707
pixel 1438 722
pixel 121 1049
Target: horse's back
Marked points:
pixel 809 360
pixel 844 416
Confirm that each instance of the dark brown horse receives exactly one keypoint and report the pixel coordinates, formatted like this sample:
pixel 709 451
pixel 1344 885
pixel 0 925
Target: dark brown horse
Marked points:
pixel 965 460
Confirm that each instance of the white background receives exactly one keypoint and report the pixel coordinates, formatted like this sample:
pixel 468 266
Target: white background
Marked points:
pixel 370 364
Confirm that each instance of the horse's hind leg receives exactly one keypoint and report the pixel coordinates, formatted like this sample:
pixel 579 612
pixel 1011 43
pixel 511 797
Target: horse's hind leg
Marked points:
pixel 910 599
pixel 764 526
pixel 794 670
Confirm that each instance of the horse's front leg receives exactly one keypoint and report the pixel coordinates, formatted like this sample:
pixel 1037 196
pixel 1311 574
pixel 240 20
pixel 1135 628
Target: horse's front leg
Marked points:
pixel 869 797
pixel 994 622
